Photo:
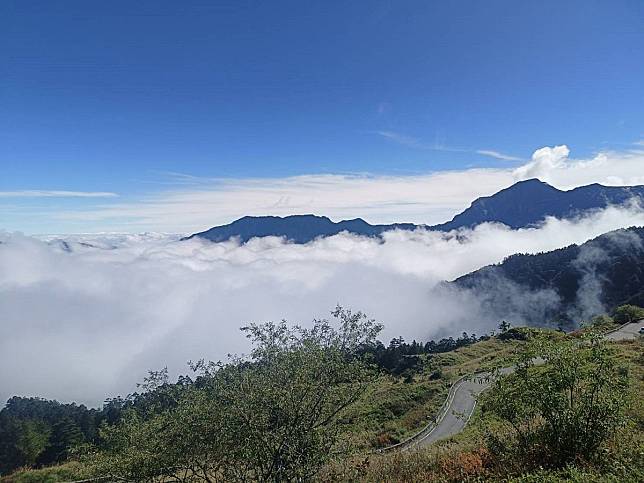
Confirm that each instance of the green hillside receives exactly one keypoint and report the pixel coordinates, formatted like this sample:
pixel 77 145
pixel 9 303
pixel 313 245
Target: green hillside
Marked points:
pixel 391 407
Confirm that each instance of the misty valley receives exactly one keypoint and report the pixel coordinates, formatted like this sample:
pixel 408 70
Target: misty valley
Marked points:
pixel 451 301
pixel 321 242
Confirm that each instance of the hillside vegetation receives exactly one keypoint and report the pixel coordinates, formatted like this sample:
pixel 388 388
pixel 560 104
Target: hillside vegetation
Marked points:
pixel 574 283
pixel 475 455
pixel 315 405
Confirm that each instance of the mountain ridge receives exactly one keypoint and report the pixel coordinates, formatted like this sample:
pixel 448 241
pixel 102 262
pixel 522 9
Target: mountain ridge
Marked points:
pixel 543 200
pixel 524 204
pixel 296 228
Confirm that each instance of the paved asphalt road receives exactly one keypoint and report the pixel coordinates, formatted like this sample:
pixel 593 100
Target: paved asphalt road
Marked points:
pixel 630 331
pixel 463 397
pixel 459 411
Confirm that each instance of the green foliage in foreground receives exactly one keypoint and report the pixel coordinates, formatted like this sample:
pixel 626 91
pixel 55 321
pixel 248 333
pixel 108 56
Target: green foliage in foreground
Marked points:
pixel 239 421
pixel 563 402
pixel 273 417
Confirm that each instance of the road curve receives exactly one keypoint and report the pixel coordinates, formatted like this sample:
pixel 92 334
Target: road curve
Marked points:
pixel 461 400
pixel 626 332
pixel 459 410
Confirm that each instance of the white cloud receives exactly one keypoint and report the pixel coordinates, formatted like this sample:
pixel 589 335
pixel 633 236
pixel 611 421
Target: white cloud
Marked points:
pixel 430 198
pixel 424 199
pixel 544 161
pixel 402 139
pixel 495 154
pixel 200 203
pixel 413 142
pixel 93 320
pixel 56 194
pixel 553 165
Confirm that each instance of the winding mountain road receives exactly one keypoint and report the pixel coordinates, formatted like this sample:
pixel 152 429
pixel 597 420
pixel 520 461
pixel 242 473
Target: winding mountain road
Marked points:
pixel 461 400
pixel 626 332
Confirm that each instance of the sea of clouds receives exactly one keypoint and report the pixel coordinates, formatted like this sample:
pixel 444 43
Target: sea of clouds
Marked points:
pixel 85 316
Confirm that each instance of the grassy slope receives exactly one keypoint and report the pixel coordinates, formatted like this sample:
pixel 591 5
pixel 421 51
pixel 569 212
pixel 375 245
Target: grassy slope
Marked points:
pixel 393 409
pixel 461 457
pixel 67 472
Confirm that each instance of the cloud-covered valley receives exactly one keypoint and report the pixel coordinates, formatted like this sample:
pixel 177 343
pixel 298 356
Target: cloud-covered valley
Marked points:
pixel 84 318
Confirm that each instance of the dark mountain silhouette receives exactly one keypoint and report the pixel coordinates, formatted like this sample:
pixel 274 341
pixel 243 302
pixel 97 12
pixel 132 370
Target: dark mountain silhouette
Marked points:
pixel 521 205
pixel 295 228
pixel 529 202
pixel 566 285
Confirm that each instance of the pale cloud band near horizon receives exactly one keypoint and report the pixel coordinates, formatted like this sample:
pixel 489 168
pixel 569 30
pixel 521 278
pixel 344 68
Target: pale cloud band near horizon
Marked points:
pixel 56 194
pixel 423 199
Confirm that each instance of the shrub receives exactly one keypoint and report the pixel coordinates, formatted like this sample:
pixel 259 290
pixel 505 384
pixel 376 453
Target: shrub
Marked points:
pixel 273 417
pixel 628 313
pixel 563 402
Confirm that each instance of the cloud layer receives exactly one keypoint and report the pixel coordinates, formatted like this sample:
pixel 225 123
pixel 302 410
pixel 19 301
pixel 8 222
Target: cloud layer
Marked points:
pixel 423 199
pixel 56 194
pixel 85 318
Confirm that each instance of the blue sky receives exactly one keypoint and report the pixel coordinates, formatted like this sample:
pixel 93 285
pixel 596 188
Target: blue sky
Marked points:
pixel 113 99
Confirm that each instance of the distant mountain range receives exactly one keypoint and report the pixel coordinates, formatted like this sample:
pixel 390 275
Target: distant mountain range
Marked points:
pixel 523 204
pixel 295 228
pixel 565 285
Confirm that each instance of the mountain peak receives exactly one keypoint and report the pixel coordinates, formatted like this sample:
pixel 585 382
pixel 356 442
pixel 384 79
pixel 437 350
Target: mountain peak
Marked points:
pixel 528 202
pixel 529 184
pixel 529 181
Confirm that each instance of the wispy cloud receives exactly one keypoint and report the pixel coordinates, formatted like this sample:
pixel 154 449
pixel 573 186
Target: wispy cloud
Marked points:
pixel 497 155
pixel 413 142
pixel 56 194
pixel 383 108
pixel 427 198
pixel 417 143
pixel 402 139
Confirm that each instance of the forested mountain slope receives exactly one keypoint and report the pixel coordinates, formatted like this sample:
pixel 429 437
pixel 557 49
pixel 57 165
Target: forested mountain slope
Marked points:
pixel 575 282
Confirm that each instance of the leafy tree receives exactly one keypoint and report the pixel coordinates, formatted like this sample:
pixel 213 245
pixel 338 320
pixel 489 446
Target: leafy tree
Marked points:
pixel 274 416
pixel 37 432
pixel 65 436
pixel 565 399
pixel 628 313
pixel 32 440
pixel 601 321
pixel 11 456
pixel 403 359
